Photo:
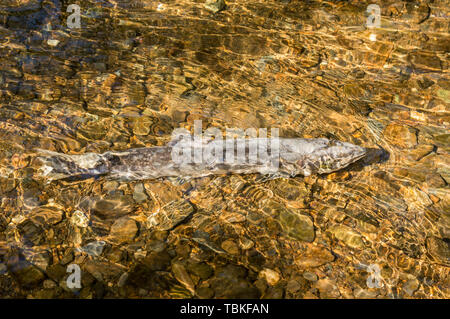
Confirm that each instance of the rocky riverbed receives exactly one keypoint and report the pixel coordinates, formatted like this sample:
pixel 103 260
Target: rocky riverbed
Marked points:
pixel 136 70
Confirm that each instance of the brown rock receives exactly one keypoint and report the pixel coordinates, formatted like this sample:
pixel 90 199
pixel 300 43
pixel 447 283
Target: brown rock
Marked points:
pixel 46 215
pixel 123 230
pixel 420 151
pixel 113 206
pixel 297 225
pixel 25 273
pixel 142 126
pixel 215 5
pixel 401 135
pixel 163 191
pixel 102 270
pixel 439 249
pixel 415 198
pixel 183 277
pixel 271 276
pixel 347 236
pixel 314 256
pixel 204 292
pixel 327 288
pixel 157 260
pixel 411 286
pixel 230 247
pixel 425 61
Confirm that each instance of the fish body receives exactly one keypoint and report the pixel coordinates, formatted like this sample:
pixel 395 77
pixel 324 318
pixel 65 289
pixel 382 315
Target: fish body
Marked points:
pixel 280 156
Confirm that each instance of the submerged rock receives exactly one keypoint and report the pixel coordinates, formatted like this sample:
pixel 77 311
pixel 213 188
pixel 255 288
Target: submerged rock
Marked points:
pixel 79 219
pixel 347 236
pixel 271 276
pixel 439 249
pixel 230 247
pixel 314 256
pixel 230 282
pixel 203 270
pixel 24 272
pixel 401 135
pixel 215 5
pixel 411 286
pixel 170 215
pixel 139 193
pixel 183 277
pixel 123 230
pixel 46 215
pixel 94 248
pixel 310 276
pixel 297 225
pixel 113 206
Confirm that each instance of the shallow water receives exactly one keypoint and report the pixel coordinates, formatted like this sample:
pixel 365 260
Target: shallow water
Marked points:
pixel 136 70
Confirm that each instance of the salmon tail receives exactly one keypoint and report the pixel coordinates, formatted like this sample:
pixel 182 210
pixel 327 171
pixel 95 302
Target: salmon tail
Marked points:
pixel 59 166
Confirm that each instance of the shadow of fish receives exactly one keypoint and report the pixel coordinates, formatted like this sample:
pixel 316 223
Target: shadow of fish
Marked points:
pixel 292 157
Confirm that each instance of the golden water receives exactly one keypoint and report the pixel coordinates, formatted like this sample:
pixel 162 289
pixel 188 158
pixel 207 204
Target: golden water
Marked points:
pixel 137 69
